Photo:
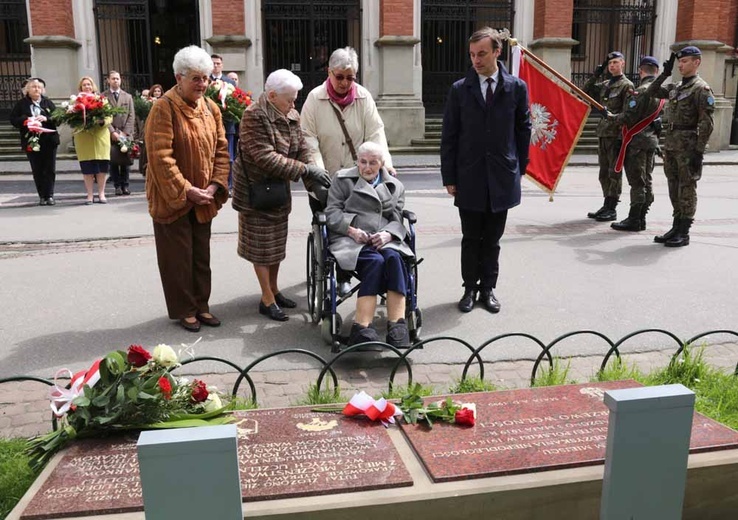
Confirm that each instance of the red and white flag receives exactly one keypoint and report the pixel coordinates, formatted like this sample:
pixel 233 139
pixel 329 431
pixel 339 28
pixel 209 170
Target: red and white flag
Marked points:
pixel 558 118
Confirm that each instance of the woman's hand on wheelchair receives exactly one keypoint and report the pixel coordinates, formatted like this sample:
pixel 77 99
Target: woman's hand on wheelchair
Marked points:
pixel 358 235
pixel 379 239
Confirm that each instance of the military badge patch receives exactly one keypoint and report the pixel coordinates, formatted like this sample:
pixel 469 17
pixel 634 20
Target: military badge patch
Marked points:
pixel 632 103
pixel 710 100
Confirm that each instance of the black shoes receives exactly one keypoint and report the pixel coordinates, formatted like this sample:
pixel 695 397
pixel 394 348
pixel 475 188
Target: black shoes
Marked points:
pixel 50 201
pixel 283 301
pixel 210 321
pixel 606 212
pixel 681 237
pixel 397 334
pixel 629 224
pixel 360 334
pixel 662 239
pixel 118 192
pixel 273 312
pixel 487 298
pixel 125 190
pixel 466 304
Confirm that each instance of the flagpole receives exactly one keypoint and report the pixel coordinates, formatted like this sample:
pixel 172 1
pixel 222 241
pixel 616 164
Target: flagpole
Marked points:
pixel 568 83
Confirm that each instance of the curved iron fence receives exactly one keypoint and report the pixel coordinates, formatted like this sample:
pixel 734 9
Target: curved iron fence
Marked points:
pixel 326 367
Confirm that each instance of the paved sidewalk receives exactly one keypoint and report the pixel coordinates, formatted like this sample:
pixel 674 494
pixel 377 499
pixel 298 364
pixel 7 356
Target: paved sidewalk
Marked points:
pixel 24 407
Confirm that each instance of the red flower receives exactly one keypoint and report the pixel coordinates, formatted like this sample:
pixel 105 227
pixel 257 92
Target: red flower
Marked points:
pixel 166 387
pixel 464 417
pixel 199 391
pixel 29 148
pixel 138 356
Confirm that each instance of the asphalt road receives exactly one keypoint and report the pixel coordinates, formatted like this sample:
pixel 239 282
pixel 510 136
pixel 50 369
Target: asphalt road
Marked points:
pixel 78 281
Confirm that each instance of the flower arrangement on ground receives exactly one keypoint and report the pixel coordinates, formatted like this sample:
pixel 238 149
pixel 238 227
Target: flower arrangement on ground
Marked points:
pixel 85 111
pixel 35 128
pixel 231 100
pixel 411 407
pixel 131 390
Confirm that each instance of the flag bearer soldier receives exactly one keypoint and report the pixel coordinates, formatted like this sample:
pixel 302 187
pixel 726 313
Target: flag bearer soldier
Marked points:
pixel 642 122
pixel 612 93
pixel 690 108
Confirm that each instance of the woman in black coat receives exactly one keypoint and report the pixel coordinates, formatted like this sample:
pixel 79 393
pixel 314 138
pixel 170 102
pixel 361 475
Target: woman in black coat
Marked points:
pixel 41 154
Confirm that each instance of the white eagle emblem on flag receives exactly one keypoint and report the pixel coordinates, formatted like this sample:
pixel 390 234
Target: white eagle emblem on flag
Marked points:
pixel 543 127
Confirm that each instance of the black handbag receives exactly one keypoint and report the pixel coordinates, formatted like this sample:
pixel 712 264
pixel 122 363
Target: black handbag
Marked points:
pixel 268 194
pixel 119 158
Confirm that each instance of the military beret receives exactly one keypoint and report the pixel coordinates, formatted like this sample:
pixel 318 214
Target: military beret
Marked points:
pixel 690 50
pixel 649 60
pixel 615 54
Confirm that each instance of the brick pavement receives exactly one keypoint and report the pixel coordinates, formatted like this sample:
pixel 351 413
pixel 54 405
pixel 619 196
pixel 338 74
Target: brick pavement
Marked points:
pixel 24 408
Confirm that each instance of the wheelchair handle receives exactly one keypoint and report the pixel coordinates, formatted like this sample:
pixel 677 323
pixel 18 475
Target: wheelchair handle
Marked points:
pixel 410 216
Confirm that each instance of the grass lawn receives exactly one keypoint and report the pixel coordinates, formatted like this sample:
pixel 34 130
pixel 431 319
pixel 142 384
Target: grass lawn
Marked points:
pixel 16 476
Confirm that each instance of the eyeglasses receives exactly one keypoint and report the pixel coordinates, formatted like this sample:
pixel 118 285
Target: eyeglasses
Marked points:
pixel 341 77
pixel 197 79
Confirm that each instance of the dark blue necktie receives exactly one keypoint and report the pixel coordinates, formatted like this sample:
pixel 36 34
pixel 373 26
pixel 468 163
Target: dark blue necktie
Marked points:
pixel 115 95
pixel 488 95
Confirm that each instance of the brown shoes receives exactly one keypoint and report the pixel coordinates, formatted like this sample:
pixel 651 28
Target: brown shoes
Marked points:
pixel 208 319
pixel 190 325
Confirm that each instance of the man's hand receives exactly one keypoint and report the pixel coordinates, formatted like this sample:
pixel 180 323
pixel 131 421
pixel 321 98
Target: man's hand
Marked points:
pixel 451 189
pixel 318 175
pixel 669 65
pixel 611 116
pixel 115 137
pixel 601 68
pixel 358 235
pixel 379 239
pixel 199 196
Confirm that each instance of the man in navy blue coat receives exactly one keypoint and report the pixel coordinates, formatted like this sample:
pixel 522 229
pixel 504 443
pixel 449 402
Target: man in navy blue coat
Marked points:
pixel 484 152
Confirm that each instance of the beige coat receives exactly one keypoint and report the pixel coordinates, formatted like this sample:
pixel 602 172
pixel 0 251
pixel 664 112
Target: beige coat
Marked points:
pixel 323 132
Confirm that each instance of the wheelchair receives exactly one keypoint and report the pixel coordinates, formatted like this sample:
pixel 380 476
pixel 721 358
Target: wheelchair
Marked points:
pixel 322 294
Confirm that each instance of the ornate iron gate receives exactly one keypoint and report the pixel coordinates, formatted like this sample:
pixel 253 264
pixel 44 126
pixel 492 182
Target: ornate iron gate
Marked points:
pixel 15 55
pixel 300 35
pixel 601 26
pixel 445 29
pixel 139 38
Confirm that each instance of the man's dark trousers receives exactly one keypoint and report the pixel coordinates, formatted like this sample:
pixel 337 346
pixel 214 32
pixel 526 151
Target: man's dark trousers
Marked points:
pixel 480 247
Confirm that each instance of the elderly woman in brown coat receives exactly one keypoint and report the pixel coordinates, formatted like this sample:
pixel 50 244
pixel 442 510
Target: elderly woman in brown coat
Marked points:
pixel 273 152
pixel 186 184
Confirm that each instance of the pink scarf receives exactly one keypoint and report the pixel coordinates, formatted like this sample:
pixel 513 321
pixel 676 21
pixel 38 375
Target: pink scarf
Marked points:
pixel 344 101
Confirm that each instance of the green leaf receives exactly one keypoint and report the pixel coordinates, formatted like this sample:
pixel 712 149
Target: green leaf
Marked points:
pixel 101 400
pixel 132 394
pixel 116 362
pixel 81 400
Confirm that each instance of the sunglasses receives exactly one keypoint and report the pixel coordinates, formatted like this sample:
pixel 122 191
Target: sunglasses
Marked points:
pixel 341 77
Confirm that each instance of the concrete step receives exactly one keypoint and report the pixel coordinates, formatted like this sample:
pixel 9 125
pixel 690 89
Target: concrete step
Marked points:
pixel 18 157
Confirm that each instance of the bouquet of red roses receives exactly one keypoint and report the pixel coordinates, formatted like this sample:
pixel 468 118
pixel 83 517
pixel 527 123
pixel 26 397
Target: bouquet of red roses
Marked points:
pixel 131 390
pixel 128 146
pixel 231 100
pixel 35 129
pixel 85 111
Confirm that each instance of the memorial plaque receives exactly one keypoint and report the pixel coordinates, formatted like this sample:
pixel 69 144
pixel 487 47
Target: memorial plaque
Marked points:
pixel 282 453
pixel 523 431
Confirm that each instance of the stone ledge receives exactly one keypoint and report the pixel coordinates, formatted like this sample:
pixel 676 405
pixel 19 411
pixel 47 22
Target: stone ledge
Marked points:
pixel 229 40
pixel 397 41
pixel 553 43
pixel 53 42
pixel 710 45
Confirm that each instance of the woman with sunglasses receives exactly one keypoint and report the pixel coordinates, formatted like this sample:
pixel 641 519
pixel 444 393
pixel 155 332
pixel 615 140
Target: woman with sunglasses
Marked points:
pixel 332 146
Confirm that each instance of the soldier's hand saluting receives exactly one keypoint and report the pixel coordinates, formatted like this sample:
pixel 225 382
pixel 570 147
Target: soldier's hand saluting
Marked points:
pixel 601 68
pixel 669 65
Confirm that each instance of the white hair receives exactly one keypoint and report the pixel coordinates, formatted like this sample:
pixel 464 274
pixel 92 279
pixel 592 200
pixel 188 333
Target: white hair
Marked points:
pixel 371 148
pixel 281 81
pixel 192 59
pixel 344 58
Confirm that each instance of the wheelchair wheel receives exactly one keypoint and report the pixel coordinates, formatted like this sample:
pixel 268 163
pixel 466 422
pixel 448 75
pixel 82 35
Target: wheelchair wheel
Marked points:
pixel 330 328
pixel 415 323
pixel 315 276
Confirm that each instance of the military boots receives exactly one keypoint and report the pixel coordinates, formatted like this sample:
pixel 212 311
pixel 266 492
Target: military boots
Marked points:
pixel 609 212
pixel 662 239
pixel 633 222
pixel 681 237
pixel 595 214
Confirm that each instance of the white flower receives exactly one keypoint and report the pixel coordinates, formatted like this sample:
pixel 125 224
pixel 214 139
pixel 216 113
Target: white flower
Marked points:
pixel 36 148
pixel 164 355
pixel 124 149
pixel 213 402
pixel 72 98
pixel 65 104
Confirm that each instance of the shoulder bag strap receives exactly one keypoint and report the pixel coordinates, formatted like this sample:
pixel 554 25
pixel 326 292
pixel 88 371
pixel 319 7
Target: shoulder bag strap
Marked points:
pixel 349 142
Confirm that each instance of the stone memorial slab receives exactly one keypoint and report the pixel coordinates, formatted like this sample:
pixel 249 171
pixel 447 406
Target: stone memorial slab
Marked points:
pixel 523 431
pixel 283 453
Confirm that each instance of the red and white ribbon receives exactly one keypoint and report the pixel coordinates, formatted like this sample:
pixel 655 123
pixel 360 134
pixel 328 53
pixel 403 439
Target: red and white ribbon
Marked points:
pixel 61 397
pixel 34 125
pixel 375 409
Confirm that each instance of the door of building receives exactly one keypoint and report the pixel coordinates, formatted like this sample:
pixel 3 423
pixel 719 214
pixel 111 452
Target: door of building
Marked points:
pixel 446 26
pixel 300 35
pixel 139 38
pixel 15 55
pixel 602 26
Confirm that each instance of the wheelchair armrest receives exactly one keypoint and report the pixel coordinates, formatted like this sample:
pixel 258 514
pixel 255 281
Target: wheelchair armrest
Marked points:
pixel 320 217
pixel 410 216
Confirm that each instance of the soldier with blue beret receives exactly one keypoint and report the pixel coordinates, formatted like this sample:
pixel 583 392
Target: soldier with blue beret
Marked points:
pixel 612 93
pixel 690 106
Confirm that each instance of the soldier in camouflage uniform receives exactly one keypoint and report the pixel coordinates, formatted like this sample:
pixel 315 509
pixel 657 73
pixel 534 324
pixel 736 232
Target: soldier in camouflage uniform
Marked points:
pixel 690 107
pixel 641 151
pixel 612 94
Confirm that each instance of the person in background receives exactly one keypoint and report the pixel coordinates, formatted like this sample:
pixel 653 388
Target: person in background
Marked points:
pixel 484 152
pixel 186 185
pixel 233 77
pixel 93 150
pixel 364 217
pixel 230 126
pixel 150 94
pixel 35 109
pixel 155 92
pixel 122 126
pixel 272 149
pixel 340 99
pixel 691 108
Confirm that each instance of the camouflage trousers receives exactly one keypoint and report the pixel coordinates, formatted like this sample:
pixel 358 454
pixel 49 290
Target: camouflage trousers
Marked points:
pixel 682 183
pixel 639 165
pixel 607 154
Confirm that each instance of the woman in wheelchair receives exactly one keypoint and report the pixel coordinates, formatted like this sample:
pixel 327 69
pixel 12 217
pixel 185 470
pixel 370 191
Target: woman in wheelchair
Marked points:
pixel 364 217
